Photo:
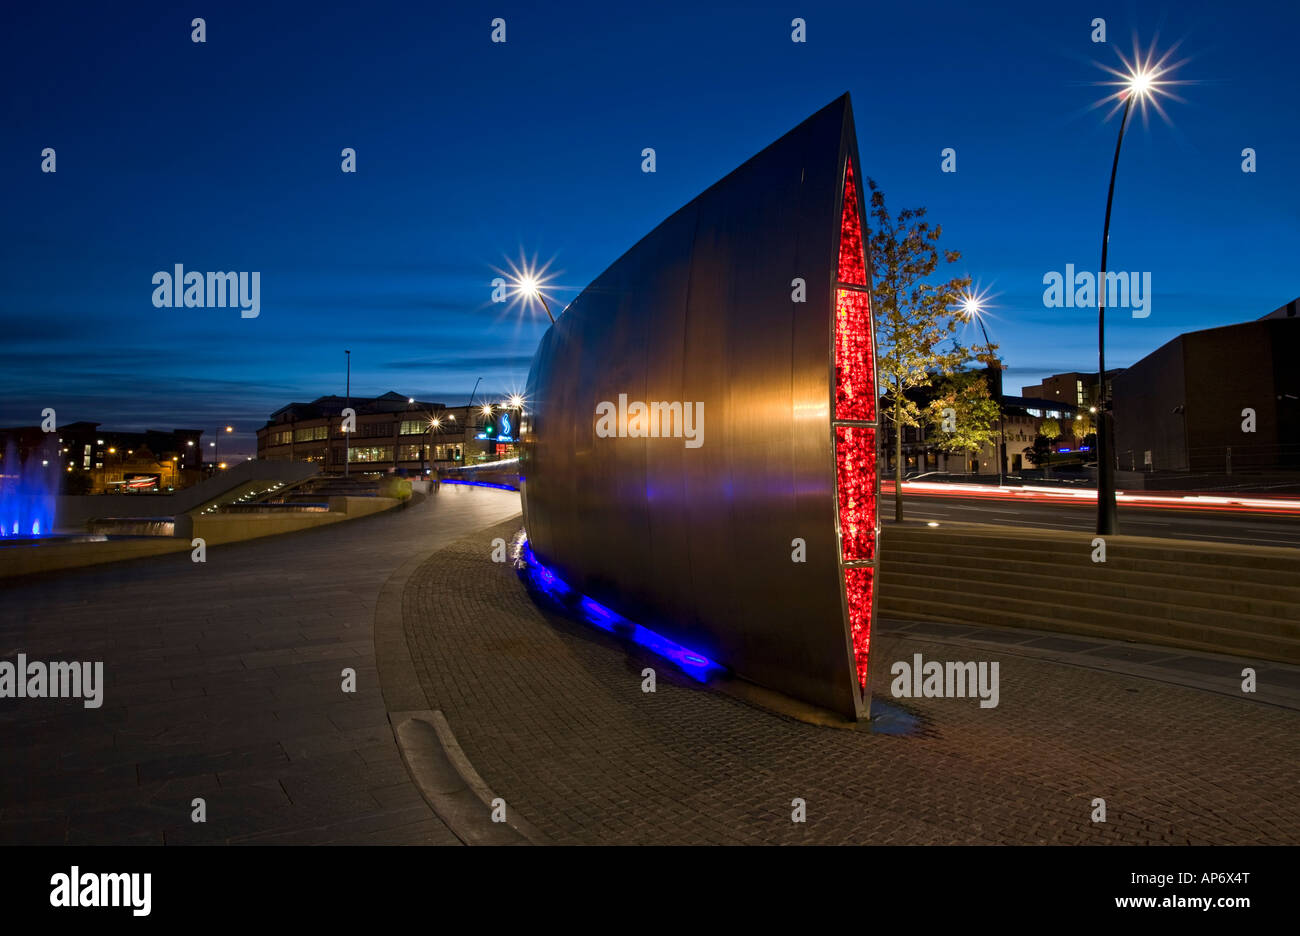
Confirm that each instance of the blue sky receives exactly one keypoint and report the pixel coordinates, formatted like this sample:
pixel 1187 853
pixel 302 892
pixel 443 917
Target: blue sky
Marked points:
pixel 225 156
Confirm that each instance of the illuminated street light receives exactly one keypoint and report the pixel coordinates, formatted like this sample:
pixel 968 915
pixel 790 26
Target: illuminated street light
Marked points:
pixel 516 401
pixel 972 307
pixel 530 288
pixel 529 282
pixel 1142 81
pixel 487 409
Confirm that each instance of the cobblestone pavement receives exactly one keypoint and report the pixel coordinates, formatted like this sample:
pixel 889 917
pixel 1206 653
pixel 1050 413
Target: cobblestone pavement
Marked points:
pixel 222 682
pixel 552 715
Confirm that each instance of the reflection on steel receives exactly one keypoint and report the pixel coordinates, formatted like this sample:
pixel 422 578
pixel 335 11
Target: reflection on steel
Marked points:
pixel 697 537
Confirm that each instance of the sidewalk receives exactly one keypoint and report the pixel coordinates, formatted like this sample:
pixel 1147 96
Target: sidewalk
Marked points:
pixel 552 716
pixel 222 682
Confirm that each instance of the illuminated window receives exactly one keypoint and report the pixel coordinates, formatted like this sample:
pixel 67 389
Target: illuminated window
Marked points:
pixel 855 456
pixel 852 265
pixel 855 443
pixel 372 453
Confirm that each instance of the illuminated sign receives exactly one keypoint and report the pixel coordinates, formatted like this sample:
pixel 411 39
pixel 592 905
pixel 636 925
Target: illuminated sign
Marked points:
pixel 500 429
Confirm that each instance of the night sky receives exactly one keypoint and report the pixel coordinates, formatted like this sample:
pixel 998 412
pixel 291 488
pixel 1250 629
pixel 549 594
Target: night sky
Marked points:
pixel 226 156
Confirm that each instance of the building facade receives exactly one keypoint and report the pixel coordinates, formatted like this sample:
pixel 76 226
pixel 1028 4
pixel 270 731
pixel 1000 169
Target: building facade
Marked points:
pixel 1022 421
pixel 95 460
pixel 392 433
pixel 1217 400
pixel 1075 388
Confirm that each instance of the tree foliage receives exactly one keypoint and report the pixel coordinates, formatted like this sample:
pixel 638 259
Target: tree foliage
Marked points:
pixel 975 424
pixel 915 322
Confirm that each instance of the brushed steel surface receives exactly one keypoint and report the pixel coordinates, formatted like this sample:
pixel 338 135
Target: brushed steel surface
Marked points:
pixel 696 543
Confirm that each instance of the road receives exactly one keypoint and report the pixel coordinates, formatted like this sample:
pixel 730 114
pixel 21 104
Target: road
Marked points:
pixel 1211 521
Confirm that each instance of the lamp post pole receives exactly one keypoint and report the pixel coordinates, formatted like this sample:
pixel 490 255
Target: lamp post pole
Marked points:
pixel 1107 518
pixel 1002 425
pixel 347 440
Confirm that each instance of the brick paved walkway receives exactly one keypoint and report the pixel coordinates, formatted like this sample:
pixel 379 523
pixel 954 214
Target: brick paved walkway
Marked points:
pixel 222 682
pixel 552 715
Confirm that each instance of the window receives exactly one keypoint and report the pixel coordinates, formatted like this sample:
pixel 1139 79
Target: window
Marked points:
pixel 1035 412
pixel 372 453
pixel 376 430
pixel 1078 386
pixel 311 435
pixel 413 426
pixel 410 452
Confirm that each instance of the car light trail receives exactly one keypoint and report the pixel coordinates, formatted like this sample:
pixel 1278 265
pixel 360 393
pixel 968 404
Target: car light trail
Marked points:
pixel 1289 506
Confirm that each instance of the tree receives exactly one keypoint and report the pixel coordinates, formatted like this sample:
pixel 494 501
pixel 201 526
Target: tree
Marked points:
pixel 1049 431
pixel 1040 453
pixel 1083 425
pixel 974 416
pixel 914 317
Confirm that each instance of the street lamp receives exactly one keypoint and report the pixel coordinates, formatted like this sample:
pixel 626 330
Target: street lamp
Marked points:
pixel 347 439
pixel 434 423
pixel 1139 82
pixel 530 287
pixel 216 449
pixel 971 309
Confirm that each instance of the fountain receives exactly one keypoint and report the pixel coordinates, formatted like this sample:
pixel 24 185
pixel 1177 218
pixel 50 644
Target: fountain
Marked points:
pixel 27 492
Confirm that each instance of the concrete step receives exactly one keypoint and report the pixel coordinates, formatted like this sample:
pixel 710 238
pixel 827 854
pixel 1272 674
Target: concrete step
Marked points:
pixel 1228 594
pixel 971 537
pixel 1074 558
pixel 1056 601
pixel 922 603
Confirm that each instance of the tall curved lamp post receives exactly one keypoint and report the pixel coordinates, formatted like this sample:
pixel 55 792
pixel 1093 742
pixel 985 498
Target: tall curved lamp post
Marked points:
pixel 971 311
pixel 1140 83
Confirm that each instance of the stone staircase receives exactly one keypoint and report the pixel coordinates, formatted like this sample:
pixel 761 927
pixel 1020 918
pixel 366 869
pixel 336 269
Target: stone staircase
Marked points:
pixel 1221 598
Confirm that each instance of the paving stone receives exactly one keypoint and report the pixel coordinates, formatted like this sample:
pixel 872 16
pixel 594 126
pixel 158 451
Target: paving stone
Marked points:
pixel 559 728
pixel 214 697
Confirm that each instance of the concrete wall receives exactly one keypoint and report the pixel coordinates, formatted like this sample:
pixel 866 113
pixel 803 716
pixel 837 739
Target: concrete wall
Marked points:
pixel 1146 395
pixel 214 529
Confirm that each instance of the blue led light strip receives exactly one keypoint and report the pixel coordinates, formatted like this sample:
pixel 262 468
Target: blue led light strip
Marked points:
pixel 503 487
pixel 693 664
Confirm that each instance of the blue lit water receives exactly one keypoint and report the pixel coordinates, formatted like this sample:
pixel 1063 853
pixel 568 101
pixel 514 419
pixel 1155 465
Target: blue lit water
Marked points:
pixel 27 492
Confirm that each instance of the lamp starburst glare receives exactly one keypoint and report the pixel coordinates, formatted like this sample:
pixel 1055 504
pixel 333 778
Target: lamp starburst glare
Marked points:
pixel 1144 78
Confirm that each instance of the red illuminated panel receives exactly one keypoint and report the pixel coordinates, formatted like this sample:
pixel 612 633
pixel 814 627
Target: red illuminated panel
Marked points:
pixel 855 384
pixel 857 585
pixel 855 467
pixel 853 264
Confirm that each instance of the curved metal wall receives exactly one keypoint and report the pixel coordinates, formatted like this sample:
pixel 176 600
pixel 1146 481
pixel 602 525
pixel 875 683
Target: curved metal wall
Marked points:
pixel 696 543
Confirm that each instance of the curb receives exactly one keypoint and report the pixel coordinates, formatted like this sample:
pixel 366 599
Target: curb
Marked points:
pixel 450 784
pixel 433 758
